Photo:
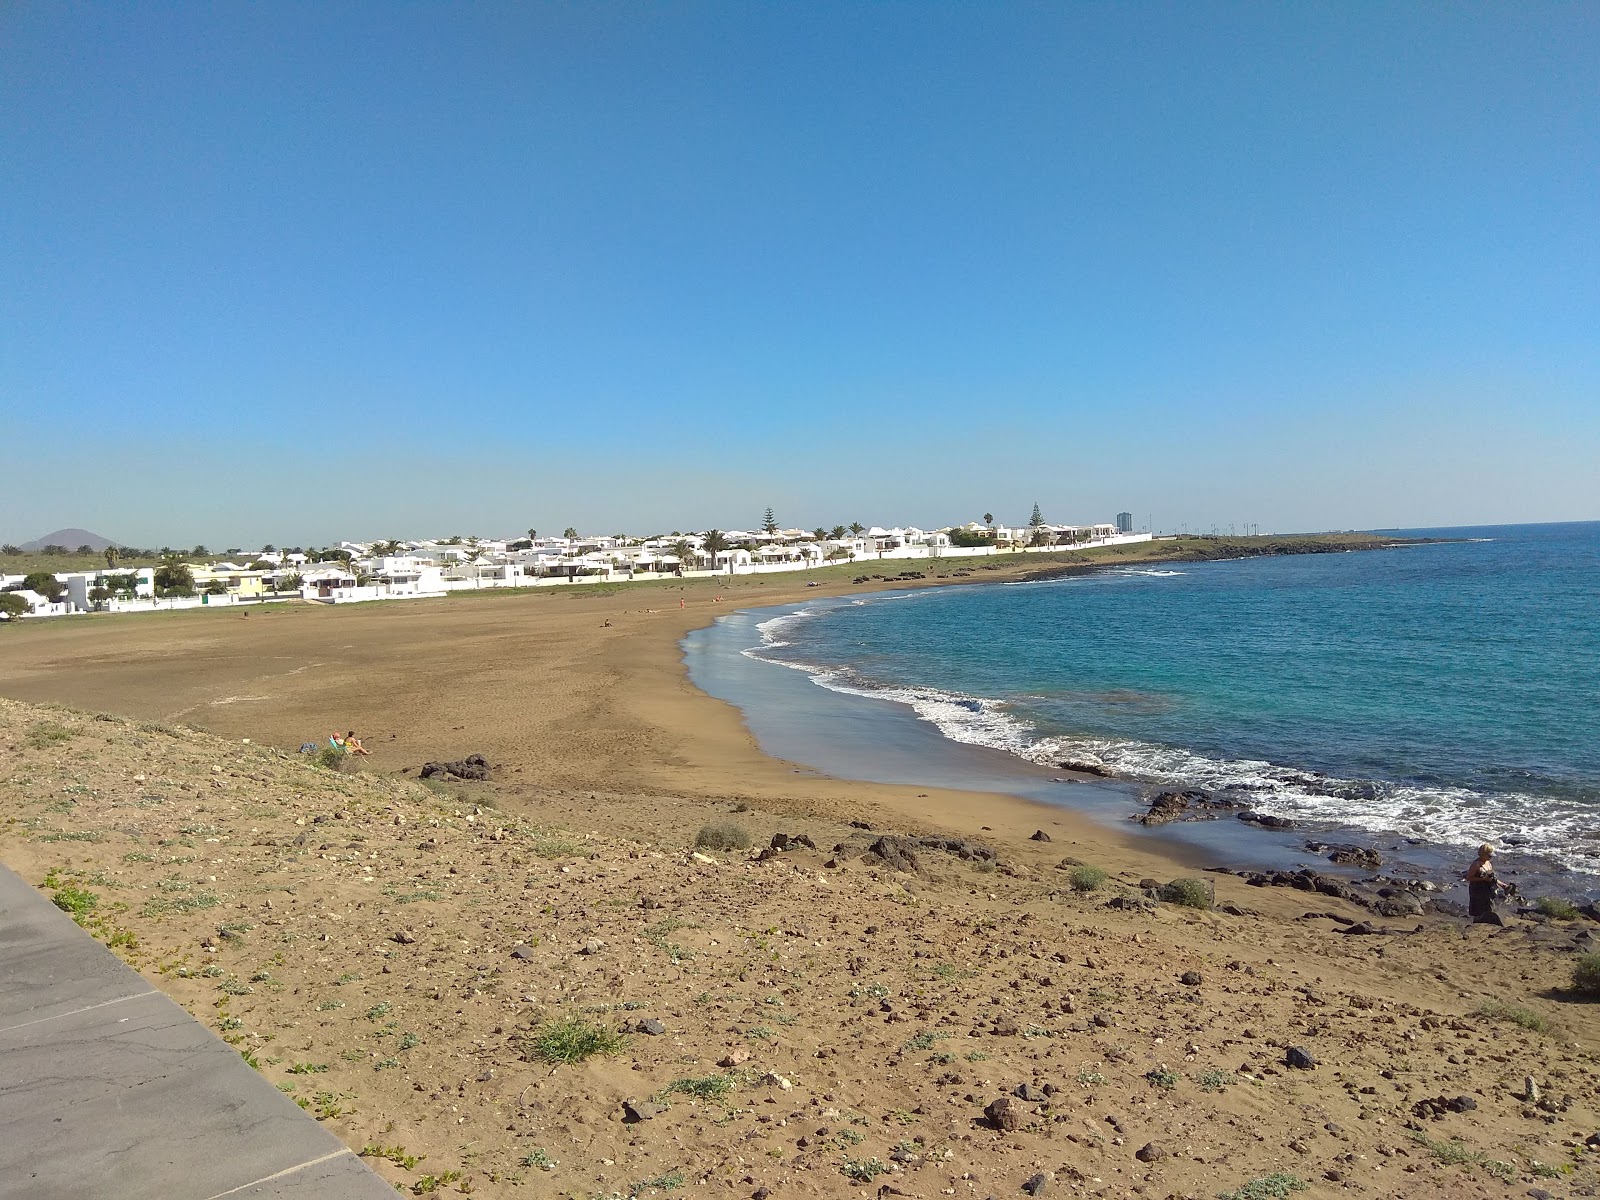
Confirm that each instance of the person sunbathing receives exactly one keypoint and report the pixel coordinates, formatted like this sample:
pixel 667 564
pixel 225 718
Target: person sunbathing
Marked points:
pixel 352 744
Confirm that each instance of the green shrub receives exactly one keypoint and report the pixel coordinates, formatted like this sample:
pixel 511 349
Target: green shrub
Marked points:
pixel 1586 974
pixel 1516 1014
pixel 1086 879
pixel 1556 907
pixel 572 1040
pixel 1277 1186
pixel 331 757
pixel 722 835
pixel 1189 893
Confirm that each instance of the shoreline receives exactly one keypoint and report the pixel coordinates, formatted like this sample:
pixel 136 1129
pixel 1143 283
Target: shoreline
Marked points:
pixel 907 750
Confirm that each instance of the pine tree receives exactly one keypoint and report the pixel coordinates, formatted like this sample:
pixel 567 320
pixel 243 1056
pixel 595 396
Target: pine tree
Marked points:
pixel 769 522
pixel 1038 517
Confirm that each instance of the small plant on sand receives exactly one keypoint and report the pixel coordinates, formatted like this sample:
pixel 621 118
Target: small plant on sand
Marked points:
pixel 863 1170
pixel 48 733
pixel 78 903
pixel 572 1040
pixel 1586 974
pixel 1557 908
pixel 1277 1186
pixel 722 835
pixel 1213 1079
pixel 1164 1078
pixel 395 1154
pixel 1451 1153
pixel 538 1159
pixel 1086 878
pixel 711 1087
pixel 1188 893
pixel 1525 1017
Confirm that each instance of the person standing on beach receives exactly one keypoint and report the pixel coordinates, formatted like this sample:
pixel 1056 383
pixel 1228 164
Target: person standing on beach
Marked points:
pixel 1481 888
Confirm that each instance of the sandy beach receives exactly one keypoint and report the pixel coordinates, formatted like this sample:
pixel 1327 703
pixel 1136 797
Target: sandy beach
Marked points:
pixel 395 956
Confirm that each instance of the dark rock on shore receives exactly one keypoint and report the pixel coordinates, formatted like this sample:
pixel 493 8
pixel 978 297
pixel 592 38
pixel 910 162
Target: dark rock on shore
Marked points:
pixel 1348 856
pixel 472 767
pixel 1087 768
pixel 1265 820
pixel 1189 805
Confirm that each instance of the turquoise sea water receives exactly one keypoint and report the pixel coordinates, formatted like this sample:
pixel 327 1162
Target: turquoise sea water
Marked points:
pixel 1447 692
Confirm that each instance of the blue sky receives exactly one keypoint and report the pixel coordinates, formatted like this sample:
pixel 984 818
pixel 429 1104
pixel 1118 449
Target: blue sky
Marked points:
pixel 293 272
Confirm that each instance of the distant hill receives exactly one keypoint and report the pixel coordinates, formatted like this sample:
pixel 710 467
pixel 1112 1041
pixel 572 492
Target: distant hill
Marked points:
pixel 71 539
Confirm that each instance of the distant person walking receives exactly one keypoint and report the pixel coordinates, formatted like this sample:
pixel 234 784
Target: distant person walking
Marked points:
pixel 1482 886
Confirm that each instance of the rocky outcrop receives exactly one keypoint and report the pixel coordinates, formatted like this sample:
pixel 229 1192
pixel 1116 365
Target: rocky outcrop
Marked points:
pixel 472 767
pixel 1189 805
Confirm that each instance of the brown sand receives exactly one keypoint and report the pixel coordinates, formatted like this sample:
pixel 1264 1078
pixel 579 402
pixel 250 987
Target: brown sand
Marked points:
pixel 318 919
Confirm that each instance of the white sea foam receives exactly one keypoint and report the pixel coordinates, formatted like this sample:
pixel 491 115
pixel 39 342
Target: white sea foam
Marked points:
pixel 1562 831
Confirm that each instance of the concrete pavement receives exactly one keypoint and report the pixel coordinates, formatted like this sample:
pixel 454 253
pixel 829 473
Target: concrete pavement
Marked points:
pixel 109 1089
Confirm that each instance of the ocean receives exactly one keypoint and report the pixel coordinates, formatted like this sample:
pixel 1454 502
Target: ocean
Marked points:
pixel 1434 695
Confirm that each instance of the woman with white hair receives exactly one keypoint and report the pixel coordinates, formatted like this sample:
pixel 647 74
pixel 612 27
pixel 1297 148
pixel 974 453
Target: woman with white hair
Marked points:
pixel 1481 887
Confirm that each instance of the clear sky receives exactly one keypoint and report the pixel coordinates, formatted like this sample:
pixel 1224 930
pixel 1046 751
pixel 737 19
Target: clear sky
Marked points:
pixel 288 272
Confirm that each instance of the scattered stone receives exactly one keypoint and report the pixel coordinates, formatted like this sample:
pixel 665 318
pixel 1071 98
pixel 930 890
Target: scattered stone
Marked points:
pixel 1191 979
pixel 1435 1108
pixel 792 841
pixel 1004 1026
pixel 771 1079
pixel 1031 1094
pixel 1530 1090
pixel 486 1076
pixel 733 1058
pixel 404 938
pixel 1004 1115
pixel 1039 835
pixel 1131 903
pixel 522 952
pixel 651 1026
pixel 1149 1153
pixel 1035 1184
pixel 1300 1058
pixel 639 1110
pixel 592 946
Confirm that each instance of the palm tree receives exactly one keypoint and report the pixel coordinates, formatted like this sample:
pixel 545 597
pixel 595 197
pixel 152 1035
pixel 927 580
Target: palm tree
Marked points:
pixel 837 532
pixel 988 519
pixel 856 527
pixel 820 534
pixel 533 535
pixel 111 558
pixel 714 541
pixel 173 576
pixel 683 552
pixel 570 533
